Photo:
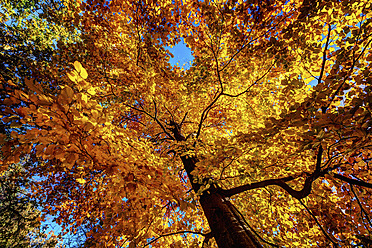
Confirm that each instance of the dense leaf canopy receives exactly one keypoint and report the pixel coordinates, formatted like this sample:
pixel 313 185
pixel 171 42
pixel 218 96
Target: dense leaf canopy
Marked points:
pixel 20 220
pixel 274 115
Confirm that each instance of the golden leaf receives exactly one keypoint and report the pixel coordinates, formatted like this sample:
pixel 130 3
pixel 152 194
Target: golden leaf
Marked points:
pixel 73 76
pixel 80 180
pixel 78 66
pixel 91 91
pixel 80 69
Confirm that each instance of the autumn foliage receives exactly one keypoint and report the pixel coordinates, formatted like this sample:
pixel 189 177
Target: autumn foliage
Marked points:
pixel 267 133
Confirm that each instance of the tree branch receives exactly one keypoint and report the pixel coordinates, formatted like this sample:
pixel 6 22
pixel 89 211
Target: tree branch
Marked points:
pixel 278 182
pixel 319 159
pixel 206 235
pixel 352 181
pixel 246 44
pixel 317 222
pixel 281 182
pixel 361 207
pixel 152 117
pixel 346 77
pixel 325 54
pixel 250 86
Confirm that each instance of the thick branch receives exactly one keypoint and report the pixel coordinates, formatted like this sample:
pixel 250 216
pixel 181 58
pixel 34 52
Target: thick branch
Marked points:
pixel 353 181
pixel 298 194
pixel 251 228
pixel 319 159
pixel 207 237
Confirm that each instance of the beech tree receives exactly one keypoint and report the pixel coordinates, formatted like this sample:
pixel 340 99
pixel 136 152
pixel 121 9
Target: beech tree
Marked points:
pixel 264 141
pixel 20 220
pixel 29 30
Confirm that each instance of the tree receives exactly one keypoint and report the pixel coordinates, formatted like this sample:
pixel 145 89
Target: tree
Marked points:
pixel 20 221
pixel 29 33
pixel 263 141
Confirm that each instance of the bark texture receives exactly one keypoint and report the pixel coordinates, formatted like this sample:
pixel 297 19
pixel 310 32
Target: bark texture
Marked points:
pixel 227 225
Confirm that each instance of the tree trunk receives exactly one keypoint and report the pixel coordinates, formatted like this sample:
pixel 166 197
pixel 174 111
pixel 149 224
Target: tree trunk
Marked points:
pixel 227 225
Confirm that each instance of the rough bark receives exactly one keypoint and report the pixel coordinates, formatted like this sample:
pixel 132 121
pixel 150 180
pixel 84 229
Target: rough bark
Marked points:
pixel 227 225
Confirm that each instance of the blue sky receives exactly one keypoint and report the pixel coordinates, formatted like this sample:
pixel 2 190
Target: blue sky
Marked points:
pixel 182 55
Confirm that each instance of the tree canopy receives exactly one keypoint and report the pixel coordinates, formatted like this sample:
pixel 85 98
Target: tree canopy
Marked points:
pixel 265 140
pixel 20 220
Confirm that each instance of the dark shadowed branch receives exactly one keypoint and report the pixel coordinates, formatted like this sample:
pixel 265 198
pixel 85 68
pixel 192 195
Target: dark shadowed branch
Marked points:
pixel 320 226
pixel 352 181
pixel 207 235
pixel 281 182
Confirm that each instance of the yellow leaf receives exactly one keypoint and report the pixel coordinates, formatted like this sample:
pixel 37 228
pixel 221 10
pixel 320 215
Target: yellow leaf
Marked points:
pixel 44 100
pixel 72 76
pixel 71 159
pixel 11 83
pixel 84 97
pixel 95 114
pixel 89 126
pixel 80 69
pixel 360 164
pixel 91 91
pixel 78 66
pixel 337 103
pixel 80 180
pixel 50 149
pixel 83 73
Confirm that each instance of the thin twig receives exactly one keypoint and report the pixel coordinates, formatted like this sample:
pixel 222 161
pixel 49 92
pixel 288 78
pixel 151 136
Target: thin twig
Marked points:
pixel 174 233
pixel 361 207
pixel 317 222
pixel 254 83
pixel 325 54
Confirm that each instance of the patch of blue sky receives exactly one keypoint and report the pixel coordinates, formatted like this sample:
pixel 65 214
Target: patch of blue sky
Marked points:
pixel 182 55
